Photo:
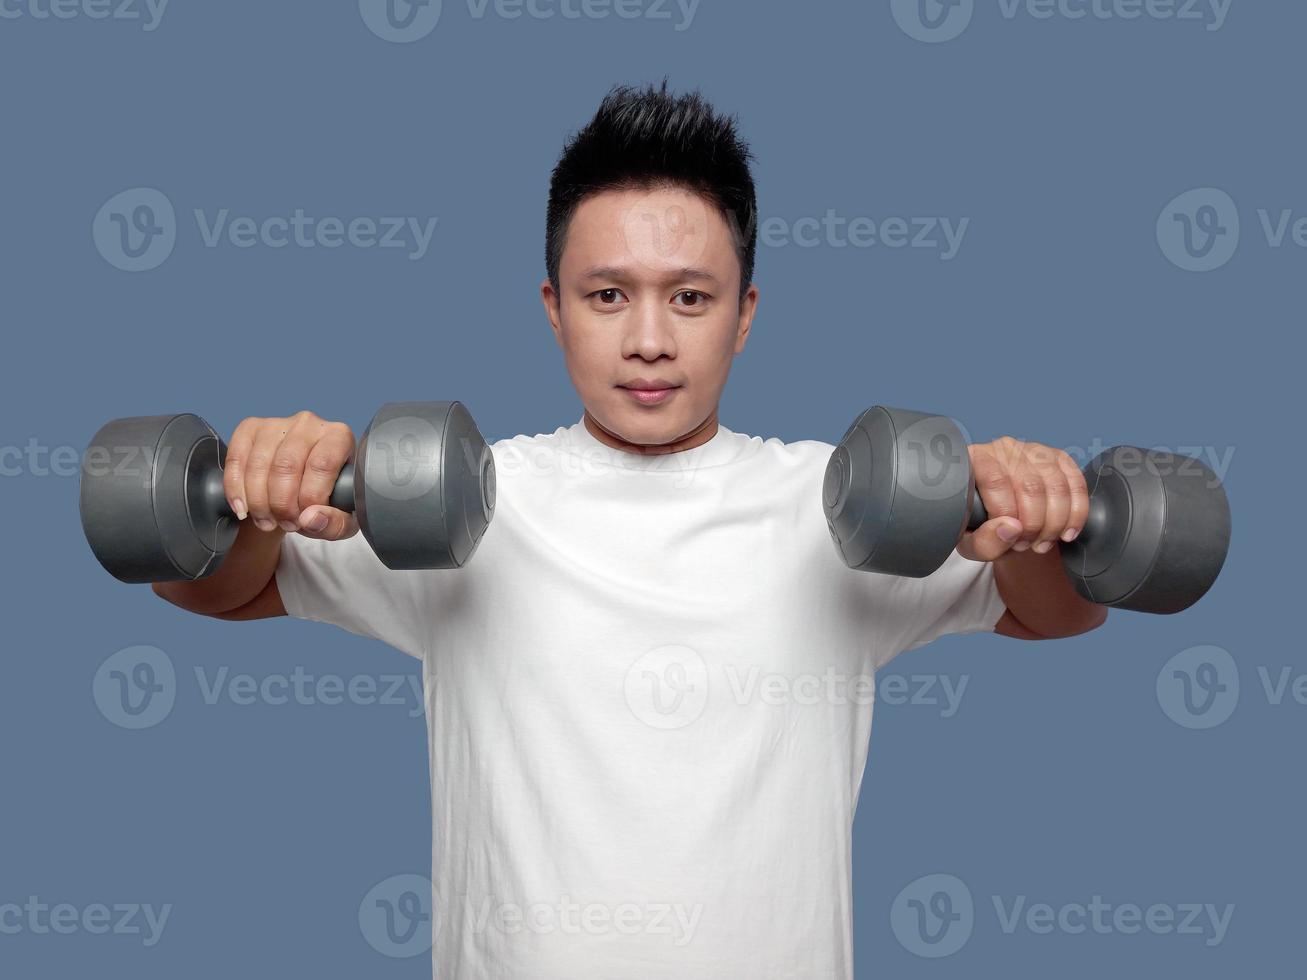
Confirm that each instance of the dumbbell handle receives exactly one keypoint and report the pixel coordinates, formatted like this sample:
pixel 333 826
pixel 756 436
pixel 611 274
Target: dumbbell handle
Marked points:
pixel 213 499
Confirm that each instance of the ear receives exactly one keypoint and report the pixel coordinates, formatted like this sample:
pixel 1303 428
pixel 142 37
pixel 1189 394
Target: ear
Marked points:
pixel 552 309
pixel 748 306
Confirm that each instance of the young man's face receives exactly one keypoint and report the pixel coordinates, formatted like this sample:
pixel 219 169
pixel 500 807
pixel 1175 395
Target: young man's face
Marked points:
pixel 649 296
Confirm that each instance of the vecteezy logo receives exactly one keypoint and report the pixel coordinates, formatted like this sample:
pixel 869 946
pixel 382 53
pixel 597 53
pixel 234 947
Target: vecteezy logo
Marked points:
pixel 935 461
pixel 135 230
pixel 400 21
pixel 1199 687
pixel 933 21
pixel 395 916
pixel 404 458
pixel 667 688
pixel 135 687
pixel 1199 230
pixel 933 916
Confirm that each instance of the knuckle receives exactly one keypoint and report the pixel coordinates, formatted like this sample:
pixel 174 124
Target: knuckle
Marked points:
pixel 1058 488
pixel 322 464
pixel 283 507
pixel 1043 452
pixel 285 464
pixel 1032 486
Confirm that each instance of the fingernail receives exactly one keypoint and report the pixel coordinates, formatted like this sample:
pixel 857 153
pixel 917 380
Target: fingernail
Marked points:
pixel 1042 548
pixel 318 522
pixel 238 507
pixel 264 523
pixel 1021 546
pixel 1070 533
pixel 289 526
pixel 1009 532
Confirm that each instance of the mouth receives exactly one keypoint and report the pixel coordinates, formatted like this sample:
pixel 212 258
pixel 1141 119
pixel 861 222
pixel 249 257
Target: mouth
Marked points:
pixel 649 392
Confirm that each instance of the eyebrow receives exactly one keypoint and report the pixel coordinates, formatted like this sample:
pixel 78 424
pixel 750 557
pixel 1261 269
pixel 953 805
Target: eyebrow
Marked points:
pixel 621 274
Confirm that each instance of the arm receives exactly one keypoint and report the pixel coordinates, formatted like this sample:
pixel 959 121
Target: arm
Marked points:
pixel 1041 602
pixel 1036 497
pixel 243 587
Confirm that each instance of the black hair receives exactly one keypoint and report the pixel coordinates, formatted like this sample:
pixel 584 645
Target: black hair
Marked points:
pixel 645 138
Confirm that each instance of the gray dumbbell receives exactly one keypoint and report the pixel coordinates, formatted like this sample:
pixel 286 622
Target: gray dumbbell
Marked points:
pixel 899 492
pixel 153 508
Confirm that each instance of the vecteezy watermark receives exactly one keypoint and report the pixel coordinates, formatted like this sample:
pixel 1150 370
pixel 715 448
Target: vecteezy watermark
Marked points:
pixel 137 230
pixel 305 689
pixel 676 921
pixel 671 686
pixel 40 460
pixel 753 685
pixel 935 21
pixel 935 916
pixel 1185 461
pixel 659 231
pixel 405 21
pixel 1200 230
pixel 667 687
pixel 137 687
pixel 38 918
pixel 149 13
pixel 1199 686
pixel 940 235
pixel 395 916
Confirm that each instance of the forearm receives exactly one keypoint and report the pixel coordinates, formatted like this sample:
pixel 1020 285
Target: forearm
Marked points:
pixel 1040 597
pixel 243 575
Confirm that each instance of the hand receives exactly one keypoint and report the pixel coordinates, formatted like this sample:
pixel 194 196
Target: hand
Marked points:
pixel 1035 496
pixel 281 472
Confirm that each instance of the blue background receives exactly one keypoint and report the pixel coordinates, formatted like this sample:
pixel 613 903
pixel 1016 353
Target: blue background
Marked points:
pixel 1060 319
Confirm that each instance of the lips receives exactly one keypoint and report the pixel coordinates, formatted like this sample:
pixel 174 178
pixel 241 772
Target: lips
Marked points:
pixel 646 384
pixel 647 391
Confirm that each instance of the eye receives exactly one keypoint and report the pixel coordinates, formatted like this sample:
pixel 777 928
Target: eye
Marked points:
pixel 607 297
pixel 695 298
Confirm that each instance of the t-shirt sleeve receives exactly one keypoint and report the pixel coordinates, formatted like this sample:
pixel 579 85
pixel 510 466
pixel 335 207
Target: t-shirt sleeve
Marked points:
pixel 961 596
pixel 344 583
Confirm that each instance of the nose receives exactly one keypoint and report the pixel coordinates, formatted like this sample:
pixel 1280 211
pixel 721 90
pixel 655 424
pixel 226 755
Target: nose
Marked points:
pixel 649 332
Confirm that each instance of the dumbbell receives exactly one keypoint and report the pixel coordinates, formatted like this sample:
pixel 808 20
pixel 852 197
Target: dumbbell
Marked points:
pixel 898 494
pixel 422 486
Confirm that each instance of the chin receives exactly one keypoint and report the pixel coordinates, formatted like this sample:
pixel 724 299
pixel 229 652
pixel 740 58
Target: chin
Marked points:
pixel 641 426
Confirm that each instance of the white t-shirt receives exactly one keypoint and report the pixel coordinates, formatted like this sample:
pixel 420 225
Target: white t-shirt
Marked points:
pixel 648 701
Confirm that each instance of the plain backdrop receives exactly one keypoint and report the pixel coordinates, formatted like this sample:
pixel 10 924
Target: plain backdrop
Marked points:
pixel 1062 317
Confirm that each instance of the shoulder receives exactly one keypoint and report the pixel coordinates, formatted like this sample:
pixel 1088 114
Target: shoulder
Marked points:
pixel 523 453
pixel 802 456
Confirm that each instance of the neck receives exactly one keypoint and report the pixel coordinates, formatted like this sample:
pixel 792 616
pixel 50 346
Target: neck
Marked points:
pixel 697 436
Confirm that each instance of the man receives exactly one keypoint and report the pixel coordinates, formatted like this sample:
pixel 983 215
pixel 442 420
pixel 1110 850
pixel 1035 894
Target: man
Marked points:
pixel 647 694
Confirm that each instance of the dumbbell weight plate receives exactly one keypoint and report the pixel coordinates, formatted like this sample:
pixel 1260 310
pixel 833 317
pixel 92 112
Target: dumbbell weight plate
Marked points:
pixel 896 491
pixel 143 499
pixel 1157 534
pixel 425 487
